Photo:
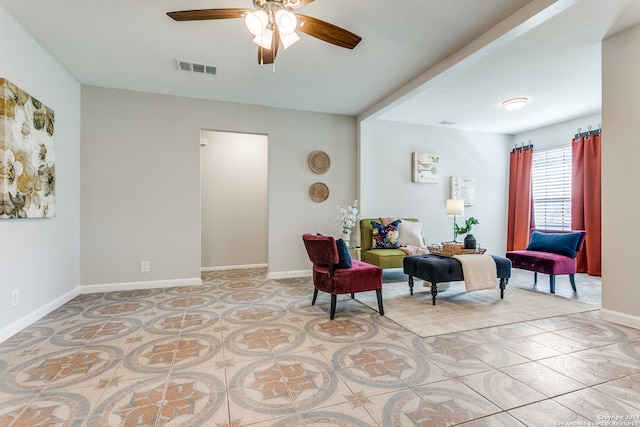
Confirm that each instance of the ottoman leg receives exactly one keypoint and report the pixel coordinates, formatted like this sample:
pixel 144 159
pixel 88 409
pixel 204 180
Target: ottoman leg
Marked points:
pixel 434 291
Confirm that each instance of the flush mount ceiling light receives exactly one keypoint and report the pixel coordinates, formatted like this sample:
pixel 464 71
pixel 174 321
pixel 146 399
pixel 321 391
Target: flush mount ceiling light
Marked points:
pixel 272 22
pixel 514 103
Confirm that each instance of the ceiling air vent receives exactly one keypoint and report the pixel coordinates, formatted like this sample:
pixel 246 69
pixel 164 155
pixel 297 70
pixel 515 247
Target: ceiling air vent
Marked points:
pixel 193 67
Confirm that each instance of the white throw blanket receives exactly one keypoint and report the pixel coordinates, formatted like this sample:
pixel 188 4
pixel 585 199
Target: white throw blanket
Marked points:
pixel 479 271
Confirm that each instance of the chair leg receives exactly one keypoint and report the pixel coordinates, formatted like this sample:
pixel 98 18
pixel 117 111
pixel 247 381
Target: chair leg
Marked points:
pixel 333 307
pixel 535 278
pixel 379 295
pixel 552 283
pixel 572 279
pixel 315 296
pixel 352 295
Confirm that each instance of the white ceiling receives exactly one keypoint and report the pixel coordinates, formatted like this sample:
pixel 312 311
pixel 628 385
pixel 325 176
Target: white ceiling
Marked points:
pixel 420 61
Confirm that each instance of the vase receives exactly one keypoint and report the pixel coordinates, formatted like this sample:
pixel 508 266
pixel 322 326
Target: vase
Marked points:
pixel 469 242
pixel 346 237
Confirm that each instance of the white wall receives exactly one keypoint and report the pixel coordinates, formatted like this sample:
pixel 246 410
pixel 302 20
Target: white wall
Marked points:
pixel 559 134
pixel 387 190
pixel 620 177
pixel 141 183
pixel 39 257
pixel 234 199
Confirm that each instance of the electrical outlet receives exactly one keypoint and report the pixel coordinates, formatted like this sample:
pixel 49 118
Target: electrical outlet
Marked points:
pixel 145 266
pixel 14 297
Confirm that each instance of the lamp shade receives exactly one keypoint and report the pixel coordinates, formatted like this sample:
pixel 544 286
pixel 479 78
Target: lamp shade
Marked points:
pixel 265 39
pixel 455 207
pixel 286 21
pixel 289 39
pixel 256 22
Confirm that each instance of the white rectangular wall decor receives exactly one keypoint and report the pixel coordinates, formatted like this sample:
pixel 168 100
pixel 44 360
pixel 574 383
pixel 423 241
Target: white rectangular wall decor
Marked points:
pixel 462 188
pixel 424 167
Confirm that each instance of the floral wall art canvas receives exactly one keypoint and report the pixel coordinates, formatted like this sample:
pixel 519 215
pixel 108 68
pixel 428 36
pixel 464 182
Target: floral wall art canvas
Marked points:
pixel 27 162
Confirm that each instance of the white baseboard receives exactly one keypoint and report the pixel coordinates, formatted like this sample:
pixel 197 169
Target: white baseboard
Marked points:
pixel 289 274
pixel 130 286
pixel 270 275
pixel 34 315
pixel 233 267
pixel 621 318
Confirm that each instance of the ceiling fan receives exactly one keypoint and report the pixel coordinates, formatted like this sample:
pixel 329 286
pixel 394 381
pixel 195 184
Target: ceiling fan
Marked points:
pixel 272 22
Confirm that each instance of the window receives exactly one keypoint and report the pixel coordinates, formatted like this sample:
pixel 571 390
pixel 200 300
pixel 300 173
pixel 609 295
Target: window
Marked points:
pixel 551 188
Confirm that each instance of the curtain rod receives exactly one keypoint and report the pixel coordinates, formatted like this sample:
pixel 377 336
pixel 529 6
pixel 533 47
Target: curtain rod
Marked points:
pixel 589 131
pixel 522 146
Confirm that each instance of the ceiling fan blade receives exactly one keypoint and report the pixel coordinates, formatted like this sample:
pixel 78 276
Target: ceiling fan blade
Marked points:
pixel 265 56
pixel 327 32
pixel 205 14
pixel 268 56
pixel 294 4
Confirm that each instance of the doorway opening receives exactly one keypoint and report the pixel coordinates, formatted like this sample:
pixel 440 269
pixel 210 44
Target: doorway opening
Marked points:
pixel 233 200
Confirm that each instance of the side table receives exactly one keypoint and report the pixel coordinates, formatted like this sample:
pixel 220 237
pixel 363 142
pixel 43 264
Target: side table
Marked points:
pixel 355 252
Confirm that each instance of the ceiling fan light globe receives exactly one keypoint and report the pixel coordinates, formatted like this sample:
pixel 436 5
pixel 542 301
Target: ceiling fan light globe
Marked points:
pixel 265 39
pixel 286 21
pixel 256 22
pixel 289 39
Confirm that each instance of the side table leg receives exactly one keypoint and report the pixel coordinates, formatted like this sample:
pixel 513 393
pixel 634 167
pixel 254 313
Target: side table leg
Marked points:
pixel 434 291
pixel 502 283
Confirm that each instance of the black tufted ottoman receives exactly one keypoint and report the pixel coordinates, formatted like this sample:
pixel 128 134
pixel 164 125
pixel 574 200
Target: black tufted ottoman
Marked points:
pixel 437 269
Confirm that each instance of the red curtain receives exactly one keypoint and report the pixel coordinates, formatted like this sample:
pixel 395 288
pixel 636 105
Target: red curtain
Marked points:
pixel 519 217
pixel 586 198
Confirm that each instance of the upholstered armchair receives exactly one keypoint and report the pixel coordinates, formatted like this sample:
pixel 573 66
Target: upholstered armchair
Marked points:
pixel 337 274
pixel 550 252
pixel 388 257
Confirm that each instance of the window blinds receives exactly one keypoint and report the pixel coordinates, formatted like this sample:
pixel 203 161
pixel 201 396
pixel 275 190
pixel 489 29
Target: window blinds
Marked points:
pixel 551 188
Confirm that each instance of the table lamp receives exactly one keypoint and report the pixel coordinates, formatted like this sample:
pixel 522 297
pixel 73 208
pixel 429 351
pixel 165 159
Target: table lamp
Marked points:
pixel 455 207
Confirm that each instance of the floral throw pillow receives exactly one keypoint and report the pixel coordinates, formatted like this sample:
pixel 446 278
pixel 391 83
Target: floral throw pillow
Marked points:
pixel 385 237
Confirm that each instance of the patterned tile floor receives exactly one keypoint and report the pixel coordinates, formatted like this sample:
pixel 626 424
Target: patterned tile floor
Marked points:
pixel 244 350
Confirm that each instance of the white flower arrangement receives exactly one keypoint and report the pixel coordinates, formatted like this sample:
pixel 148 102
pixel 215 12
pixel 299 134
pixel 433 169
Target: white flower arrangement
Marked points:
pixel 347 217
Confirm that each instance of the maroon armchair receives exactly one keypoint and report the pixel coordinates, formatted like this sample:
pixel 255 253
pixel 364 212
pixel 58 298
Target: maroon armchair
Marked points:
pixel 550 252
pixel 334 276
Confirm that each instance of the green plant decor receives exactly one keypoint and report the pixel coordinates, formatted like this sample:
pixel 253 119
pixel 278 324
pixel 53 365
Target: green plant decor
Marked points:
pixel 470 222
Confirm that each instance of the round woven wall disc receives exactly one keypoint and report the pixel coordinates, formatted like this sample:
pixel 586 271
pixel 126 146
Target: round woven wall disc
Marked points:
pixel 319 162
pixel 318 192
